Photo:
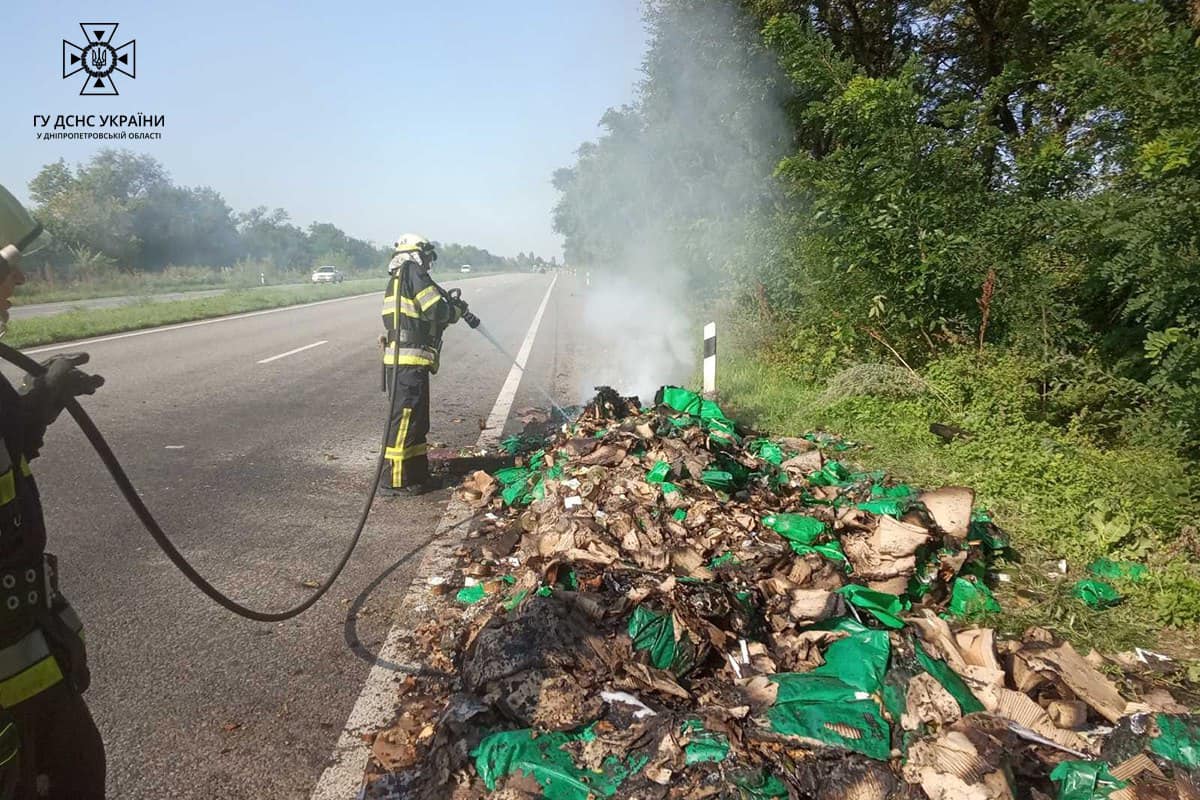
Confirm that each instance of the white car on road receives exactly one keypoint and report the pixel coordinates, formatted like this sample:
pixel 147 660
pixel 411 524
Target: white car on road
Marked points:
pixel 327 275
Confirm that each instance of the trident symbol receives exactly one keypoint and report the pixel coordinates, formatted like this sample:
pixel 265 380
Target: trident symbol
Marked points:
pixel 99 58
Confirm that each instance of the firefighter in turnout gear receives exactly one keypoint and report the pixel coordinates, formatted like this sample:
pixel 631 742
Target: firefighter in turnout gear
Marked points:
pixel 416 312
pixel 49 745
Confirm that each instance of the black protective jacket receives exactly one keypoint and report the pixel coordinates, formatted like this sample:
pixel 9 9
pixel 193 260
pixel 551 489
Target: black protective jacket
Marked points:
pixel 416 312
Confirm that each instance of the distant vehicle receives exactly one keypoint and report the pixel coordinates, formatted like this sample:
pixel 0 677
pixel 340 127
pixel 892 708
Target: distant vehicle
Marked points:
pixel 465 268
pixel 541 270
pixel 327 275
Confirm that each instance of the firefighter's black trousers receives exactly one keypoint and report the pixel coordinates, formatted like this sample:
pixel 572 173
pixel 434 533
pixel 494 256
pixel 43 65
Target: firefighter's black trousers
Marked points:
pixel 408 462
pixel 61 754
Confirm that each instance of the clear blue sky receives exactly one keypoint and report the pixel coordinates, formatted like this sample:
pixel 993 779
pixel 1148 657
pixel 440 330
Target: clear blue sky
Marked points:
pixel 446 119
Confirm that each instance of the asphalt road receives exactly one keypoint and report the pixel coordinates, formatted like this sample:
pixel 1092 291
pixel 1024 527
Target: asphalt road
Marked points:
pixel 258 472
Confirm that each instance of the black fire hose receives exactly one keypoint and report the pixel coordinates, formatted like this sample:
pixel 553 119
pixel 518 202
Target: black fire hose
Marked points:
pixel 115 469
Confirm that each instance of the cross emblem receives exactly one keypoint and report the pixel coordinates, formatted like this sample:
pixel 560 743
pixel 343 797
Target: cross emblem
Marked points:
pixel 99 59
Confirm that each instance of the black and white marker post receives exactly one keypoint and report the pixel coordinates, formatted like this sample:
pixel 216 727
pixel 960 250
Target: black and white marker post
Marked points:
pixel 710 359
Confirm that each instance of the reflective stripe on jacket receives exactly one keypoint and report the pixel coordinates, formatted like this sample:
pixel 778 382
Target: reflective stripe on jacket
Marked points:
pixel 415 314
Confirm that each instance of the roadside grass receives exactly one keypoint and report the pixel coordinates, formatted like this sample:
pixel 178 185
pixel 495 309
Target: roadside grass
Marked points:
pixel 86 323
pixel 1058 496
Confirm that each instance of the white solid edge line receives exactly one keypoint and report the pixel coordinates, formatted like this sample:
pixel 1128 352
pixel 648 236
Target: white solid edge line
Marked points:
pixel 194 324
pixel 376 704
pixel 494 427
pixel 293 352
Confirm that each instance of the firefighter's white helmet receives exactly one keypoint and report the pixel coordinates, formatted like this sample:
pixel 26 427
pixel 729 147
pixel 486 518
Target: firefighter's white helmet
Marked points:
pixel 413 243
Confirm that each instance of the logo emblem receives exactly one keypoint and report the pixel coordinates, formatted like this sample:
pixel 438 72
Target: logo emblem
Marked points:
pixel 99 59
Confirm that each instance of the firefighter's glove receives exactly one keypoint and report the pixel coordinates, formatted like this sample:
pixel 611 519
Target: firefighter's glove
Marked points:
pixel 463 309
pixel 45 396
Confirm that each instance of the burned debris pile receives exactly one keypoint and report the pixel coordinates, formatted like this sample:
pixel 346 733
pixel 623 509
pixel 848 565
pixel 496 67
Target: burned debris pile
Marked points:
pixel 657 603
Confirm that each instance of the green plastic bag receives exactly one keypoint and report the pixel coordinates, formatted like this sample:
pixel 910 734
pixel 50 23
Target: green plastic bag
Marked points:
pixel 766 450
pixel 718 479
pixel 512 475
pixel 1178 740
pixel 831 550
pixel 514 480
pixel 900 490
pixel 681 400
pixel 725 558
pixel 968 703
pixel 703 746
pixel 1084 780
pixel 680 515
pixel 833 473
pixel 656 633
pixel 659 472
pixel 893 501
pixel 829 710
pixel 543 757
pixel 1118 570
pixel 860 659
pixel 890 506
pixel 885 607
pixel 471 594
pixel 983 530
pixel 823 703
pixel 796 528
pixel 971 598
pixel 1096 594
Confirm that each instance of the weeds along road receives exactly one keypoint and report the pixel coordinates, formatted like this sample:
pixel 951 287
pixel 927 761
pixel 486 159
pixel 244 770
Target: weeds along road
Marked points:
pixel 258 471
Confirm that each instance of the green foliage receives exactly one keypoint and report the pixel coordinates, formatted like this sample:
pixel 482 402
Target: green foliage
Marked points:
pixel 952 176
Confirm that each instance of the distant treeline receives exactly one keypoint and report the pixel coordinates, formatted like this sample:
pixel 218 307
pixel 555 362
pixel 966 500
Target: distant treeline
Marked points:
pixel 121 212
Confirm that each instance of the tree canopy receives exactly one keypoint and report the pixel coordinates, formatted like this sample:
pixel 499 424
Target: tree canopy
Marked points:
pixel 930 176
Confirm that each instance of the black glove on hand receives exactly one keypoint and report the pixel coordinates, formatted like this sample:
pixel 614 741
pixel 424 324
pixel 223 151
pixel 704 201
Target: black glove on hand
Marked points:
pixel 45 396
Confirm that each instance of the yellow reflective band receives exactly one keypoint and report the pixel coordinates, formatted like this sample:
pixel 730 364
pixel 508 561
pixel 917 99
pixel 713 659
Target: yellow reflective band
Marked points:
pixel 24 685
pixel 428 297
pixel 406 452
pixel 406 308
pixel 8 488
pixel 25 470
pixel 401 434
pixel 392 360
pixel 17 657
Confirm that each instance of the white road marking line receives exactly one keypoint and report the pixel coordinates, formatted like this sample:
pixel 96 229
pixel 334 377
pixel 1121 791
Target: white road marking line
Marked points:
pixel 495 421
pixel 197 323
pixel 293 352
pixel 342 780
